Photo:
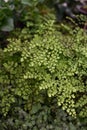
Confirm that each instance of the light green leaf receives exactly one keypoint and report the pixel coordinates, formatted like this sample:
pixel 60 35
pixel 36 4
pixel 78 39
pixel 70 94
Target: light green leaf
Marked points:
pixel 26 2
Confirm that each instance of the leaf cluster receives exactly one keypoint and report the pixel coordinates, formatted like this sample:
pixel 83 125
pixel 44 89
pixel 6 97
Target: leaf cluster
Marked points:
pixel 42 117
pixel 50 65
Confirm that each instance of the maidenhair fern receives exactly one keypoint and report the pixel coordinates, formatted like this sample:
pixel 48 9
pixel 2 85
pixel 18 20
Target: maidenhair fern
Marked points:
pixel 51 63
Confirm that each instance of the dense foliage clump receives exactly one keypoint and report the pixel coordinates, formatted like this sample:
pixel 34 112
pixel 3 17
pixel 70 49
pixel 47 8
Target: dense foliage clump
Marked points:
pixel 43 68
pixel 51 64
pixel 41 117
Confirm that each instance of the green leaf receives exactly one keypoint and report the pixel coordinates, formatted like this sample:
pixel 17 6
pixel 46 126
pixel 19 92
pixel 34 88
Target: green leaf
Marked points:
pixel 9 26
pixel 72 127
pixel 35 108
pixel 26 2
pixel 41 1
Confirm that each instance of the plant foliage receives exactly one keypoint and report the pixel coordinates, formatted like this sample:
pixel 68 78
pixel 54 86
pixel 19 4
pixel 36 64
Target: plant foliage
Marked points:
pixel 52 64
pixel 15 13
pixel 41 117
